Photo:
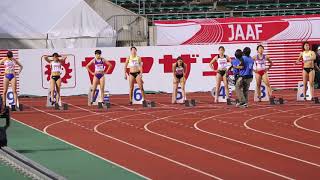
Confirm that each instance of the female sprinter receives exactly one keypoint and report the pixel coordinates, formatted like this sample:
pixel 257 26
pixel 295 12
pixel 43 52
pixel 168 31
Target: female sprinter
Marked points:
pixel 98 74
pixel 222 61
pixel 308 57
pixel 55 80
pixel 261 69
pixel 179 70
pixel 135 72
pixel 10 77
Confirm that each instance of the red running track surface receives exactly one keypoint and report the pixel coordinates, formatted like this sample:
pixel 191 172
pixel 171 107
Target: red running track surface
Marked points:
pixel 210 141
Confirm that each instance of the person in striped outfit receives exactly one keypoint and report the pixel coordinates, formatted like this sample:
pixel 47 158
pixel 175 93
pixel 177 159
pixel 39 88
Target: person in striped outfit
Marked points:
pixel 10 75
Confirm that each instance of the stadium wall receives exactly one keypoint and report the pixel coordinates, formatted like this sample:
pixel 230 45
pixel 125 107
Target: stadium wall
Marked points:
pixel 157 65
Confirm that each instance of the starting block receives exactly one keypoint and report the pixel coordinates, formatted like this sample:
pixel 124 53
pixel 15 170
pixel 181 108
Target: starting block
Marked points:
pixel 104 105
pixel 58 105
pixel 106 98
pixel 316 100
pixel 191 103
pixel 18 107
pixel 275 101
pixel 147 104
pixel 231 101
pixel 106 101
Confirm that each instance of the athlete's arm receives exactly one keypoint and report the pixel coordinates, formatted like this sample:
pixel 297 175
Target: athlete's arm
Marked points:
pixel 254 58
pixel 125 68
pixel 213 61
pixel 231 67
pixel 174 69
pixel 299 58
pixel 141 69
pixel 19 64
pixel 185 70
pixel 2 60
pixel 228 58
pixel 63 58
pixel 270 63
pixel 46 58
pixel 88 65
pixel 109 65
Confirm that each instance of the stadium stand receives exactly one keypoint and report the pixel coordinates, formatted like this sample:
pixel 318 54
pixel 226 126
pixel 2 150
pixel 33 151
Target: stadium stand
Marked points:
pixel 199 9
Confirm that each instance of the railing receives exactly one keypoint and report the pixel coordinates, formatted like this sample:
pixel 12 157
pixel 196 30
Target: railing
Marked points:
pixel 140 3
pixel 224 14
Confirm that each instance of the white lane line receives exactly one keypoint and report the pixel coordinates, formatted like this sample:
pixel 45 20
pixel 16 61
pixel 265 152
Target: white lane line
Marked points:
pixel 304 128
pixel 196 126
pixel 153 153
pixel 208 151
pixel 124 142
pixel 274 135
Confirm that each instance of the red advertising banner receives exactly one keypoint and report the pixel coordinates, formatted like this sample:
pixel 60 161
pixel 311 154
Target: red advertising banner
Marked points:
pixel 282 37
pixel 238 30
